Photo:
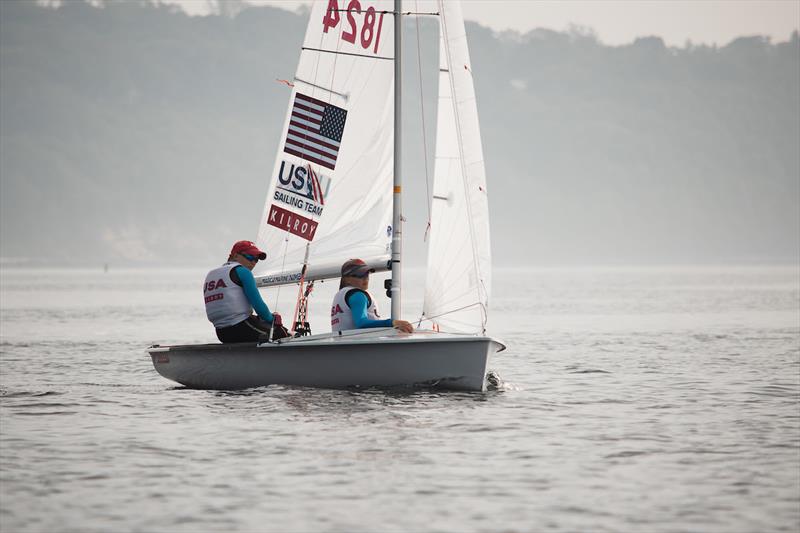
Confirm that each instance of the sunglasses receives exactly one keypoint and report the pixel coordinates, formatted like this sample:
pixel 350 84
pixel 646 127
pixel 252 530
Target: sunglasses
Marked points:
pixel 249 257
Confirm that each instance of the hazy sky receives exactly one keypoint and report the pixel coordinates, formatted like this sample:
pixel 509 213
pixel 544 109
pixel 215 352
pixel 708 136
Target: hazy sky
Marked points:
pixel 619 21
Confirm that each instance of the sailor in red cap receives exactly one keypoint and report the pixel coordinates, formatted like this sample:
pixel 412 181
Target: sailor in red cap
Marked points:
pixel 231 296
pixel 353 307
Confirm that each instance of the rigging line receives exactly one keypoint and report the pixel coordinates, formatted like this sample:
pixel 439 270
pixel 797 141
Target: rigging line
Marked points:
pixel 451 311
pixel 283 266
pixel 333 71
pixel 392 12
pixel 424 137
pixel 450 277
pixel 314 85
pixel 300 289
pixel 338 53
pixel 447 279
pixel 447 286
pixel 345 173
pixel 329 10
pixel 476 265
pixel 314 76
pixel 330 92
pixel 484 308
pixel 348 77
pixel 377 11
pixel 316 70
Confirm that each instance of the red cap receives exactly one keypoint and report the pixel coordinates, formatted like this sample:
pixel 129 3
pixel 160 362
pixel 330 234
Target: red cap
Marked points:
pixel 247 247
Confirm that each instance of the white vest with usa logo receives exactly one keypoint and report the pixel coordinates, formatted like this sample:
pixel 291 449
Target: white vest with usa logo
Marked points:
pixel 226 303
pixel 342 315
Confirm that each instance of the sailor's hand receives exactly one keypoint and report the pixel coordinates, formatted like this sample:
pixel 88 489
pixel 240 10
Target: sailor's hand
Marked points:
pixel 403 326
pixel 276 319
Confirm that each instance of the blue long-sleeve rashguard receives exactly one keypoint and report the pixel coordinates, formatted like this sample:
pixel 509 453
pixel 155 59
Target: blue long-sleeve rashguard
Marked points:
pixel 357 300
pixel 253 296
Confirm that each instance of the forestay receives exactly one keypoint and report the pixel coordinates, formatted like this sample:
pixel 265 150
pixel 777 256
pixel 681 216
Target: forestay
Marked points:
pixel 458 276
pixel 329 194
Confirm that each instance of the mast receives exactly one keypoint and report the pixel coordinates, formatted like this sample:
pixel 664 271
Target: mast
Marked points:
pixel 397 228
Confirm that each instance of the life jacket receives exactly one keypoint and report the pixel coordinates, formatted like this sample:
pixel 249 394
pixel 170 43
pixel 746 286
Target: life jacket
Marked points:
pixel 226 302
pixel 342 315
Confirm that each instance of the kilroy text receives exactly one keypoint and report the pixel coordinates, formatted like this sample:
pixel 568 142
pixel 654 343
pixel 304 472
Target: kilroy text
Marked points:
pixel 291 222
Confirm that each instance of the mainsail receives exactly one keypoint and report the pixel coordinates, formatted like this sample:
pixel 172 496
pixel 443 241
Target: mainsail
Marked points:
pixel 329 194
pixel 458 276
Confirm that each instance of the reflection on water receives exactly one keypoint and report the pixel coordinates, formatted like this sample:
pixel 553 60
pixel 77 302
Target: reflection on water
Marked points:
pixel 628 400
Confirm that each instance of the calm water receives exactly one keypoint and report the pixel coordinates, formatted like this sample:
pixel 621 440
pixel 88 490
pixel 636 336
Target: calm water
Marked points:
pixel 634 400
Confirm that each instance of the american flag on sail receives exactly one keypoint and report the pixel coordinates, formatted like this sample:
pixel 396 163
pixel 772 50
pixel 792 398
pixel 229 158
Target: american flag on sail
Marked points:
pixel 315 131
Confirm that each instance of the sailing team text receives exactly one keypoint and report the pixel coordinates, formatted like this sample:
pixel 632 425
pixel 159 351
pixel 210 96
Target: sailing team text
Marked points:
pixel 293 201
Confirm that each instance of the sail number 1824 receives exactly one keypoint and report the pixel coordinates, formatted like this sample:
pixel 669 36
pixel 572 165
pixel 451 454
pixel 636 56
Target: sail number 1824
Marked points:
pixel 365 34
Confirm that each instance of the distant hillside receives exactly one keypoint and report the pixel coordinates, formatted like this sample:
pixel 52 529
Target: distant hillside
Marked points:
pixel 136 134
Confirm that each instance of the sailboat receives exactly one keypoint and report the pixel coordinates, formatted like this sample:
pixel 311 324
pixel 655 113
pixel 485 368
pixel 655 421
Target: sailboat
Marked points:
pixel 336 193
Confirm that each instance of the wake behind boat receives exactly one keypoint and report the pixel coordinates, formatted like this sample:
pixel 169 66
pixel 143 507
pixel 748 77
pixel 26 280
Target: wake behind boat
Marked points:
pixel 336 193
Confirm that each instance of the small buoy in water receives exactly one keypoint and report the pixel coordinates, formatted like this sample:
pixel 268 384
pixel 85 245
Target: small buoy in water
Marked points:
pixel 493 379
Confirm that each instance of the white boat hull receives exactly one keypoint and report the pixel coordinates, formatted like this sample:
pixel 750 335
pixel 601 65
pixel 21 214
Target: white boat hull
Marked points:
pixel 359 358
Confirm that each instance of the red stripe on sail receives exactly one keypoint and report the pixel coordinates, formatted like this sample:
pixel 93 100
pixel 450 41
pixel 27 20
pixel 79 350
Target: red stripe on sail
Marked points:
pixel 300 96
pixel 309 109
pixel 317 121
pixel 308 145
pixel 293 129
pixel 307 157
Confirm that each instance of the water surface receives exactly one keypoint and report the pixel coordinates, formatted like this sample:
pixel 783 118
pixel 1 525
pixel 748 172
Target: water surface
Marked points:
pixel 659 399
